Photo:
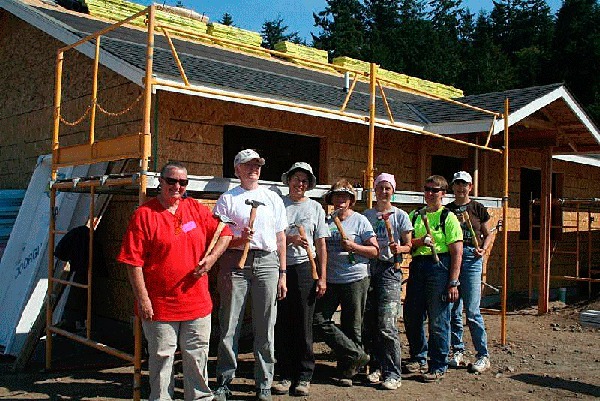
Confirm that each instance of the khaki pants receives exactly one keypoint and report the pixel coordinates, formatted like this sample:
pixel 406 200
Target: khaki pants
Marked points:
pixel 193 337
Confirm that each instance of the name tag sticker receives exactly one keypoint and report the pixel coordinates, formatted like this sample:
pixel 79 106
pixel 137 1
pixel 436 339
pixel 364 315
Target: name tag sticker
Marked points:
pixel 189 226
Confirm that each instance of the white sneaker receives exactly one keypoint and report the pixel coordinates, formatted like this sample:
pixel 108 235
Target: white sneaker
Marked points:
pixel 457 360
pixel 390 384
pixel 374 376
pixel 481 365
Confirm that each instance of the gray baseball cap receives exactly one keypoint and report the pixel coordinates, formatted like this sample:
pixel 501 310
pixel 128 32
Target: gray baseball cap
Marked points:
pixel 246 155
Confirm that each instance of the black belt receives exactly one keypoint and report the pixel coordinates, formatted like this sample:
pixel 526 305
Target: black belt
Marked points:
pixel 431 256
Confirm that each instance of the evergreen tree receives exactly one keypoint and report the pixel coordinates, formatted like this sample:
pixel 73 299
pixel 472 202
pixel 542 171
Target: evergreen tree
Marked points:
pixel 382 30
pixel 227 19
pixel 274 31
pixel 533 27
pixel 445 51
pixel 487 68
pixel 576 51
pixel 412 41
pixel 342 25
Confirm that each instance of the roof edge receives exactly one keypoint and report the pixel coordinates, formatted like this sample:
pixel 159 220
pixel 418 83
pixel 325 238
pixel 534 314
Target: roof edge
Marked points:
pixel 59 31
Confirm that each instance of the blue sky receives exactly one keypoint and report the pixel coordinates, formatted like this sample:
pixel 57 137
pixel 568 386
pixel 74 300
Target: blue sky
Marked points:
pixel 297 14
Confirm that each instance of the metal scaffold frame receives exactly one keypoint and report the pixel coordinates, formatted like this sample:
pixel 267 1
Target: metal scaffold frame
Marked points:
pixel 584 210
pixel 137 146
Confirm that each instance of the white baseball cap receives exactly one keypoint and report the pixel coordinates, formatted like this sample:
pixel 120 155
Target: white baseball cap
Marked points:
pixel 246 155
pixel 462 176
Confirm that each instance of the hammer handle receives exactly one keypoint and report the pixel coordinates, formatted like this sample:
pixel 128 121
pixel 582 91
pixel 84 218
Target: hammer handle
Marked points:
pixel 215 237
pixel 313 264
pixel 467 220
pixel 390 233
pixel 247 245
pixel 338 224
pixel 436 258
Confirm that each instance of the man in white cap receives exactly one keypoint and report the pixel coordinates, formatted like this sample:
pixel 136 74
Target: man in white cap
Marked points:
pixel 263 274
pixel 474 249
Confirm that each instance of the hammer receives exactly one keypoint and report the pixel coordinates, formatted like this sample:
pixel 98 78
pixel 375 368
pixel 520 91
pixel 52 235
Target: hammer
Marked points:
pixel 338 224
pixel 386 218
pixel 254 204
pixel 423 213
pixel 467 220
pixel 223 221
pixel 311 258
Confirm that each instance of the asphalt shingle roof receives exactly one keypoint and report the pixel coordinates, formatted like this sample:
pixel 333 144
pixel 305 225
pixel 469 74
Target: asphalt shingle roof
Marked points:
pixel 440 112
pixel 232 71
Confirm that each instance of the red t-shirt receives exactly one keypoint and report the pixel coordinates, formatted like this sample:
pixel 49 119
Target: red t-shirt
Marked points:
pixel 168 247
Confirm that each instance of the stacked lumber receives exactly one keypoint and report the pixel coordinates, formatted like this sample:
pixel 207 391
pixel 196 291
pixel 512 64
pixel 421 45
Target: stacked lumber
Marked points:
pixel 590 318
pixel 117 10
pixel 304 52
pixel 423 85
pixel 239 35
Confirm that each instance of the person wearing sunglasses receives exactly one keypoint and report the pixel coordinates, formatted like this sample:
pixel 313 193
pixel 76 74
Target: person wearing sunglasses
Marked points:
pixel 164 252
pixel 432 282
pixel 262 279
pixel 474 249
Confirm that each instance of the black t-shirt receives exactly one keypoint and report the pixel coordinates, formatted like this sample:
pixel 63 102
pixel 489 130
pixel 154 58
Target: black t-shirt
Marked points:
pixel 478 214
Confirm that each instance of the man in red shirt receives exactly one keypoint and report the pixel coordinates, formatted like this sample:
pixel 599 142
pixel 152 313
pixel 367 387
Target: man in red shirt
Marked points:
pixel 164 249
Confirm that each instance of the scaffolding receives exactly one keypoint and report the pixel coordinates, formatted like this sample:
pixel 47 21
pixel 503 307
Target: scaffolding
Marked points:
pixel 586 212
pixel 137 146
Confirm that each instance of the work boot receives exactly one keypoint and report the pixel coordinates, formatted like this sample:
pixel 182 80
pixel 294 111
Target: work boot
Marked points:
pixel 282 387
pixel 302 388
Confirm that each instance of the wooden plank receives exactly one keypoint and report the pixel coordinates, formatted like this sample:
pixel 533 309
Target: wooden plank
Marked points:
pixel 590 318
pixel 124 147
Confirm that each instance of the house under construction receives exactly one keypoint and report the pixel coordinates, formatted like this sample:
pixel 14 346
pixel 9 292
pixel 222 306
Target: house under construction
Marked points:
pixel 138 94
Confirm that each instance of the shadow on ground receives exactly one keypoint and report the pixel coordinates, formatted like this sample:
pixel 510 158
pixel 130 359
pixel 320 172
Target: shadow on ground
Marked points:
pixel 574 386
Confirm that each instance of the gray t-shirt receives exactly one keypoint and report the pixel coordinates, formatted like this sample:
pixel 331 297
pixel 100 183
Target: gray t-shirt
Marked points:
pixel 311 215
pixel 400 223
pixel 340 270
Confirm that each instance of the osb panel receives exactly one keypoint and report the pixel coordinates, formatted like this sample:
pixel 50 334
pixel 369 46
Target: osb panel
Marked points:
pixel 27 98
pixel 113 299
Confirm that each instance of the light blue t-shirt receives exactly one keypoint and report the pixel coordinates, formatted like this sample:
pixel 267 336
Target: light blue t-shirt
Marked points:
pixel 400 223
pixel 311 215
pixel 340 270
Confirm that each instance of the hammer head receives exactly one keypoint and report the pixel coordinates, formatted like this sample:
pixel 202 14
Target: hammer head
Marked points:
pixel 225 219
pixel 423 212
pixel 297 223
pixel 254 203
pixel 384 216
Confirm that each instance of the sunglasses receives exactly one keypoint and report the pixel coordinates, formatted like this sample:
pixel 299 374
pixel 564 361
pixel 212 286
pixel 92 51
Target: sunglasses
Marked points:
pixel 173 181
pixel 432 190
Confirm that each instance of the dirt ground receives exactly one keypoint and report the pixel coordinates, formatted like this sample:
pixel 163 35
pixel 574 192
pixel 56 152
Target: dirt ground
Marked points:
pixel 547 357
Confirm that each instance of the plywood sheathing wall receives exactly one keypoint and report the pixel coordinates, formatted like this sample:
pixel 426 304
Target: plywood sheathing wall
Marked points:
pixel 27 99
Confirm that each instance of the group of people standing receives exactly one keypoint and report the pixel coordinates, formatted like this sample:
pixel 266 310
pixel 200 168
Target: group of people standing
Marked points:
pixel 296 266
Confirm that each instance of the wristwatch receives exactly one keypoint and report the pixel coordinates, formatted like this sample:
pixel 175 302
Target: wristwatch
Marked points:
pixel 453 283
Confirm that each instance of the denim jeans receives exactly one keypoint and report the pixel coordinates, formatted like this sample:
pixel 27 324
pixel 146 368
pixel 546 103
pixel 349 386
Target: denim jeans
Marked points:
pixel 294 328
pixel 346 340
pixel 426 292
pixel 470 297
pixel 258 279
pixel 381 318
pixel 192 337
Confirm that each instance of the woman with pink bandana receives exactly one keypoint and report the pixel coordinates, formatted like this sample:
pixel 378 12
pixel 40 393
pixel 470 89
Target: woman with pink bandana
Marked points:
pixel 383 300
